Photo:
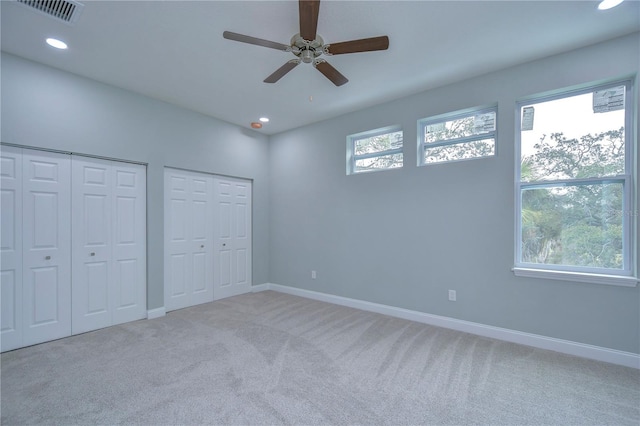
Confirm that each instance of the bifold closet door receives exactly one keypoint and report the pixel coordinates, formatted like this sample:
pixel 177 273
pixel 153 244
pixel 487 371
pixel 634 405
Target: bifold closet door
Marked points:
pixel 232 262
pixel 188 273
pixel 109 243
pixel 64 270
pixel 11 247
pixel 36 307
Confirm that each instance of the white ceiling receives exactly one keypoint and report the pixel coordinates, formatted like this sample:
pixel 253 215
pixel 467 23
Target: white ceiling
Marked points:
pixel 174 50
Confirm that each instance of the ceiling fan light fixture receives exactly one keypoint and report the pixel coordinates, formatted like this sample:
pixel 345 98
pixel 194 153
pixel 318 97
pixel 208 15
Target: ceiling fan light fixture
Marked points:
pixel 58 44
pixel 608 4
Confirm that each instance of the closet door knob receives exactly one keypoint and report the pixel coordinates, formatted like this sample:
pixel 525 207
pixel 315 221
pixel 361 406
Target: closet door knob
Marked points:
pixel 92 254
pixel 201 245
pixel 47 258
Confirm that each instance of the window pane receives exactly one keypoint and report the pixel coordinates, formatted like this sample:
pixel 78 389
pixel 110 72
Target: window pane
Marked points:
pixel 461 151
pixel 577 225
pixel 377 163
pixel 566 139
pixel 378 143
pixel 476 124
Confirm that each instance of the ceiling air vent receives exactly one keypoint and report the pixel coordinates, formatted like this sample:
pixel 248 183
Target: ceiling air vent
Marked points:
pixel 64 10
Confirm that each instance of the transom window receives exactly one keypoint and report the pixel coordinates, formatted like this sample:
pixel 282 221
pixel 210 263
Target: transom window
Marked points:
pixel 373 150
pixel 574 182
pixel 460 135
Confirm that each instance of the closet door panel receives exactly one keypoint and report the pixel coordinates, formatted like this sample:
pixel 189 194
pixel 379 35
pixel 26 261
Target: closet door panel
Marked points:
pixel 91 213
pixel 46 274
pixel 11 292
pixel 178 281
pixel 233 236
pixel 188 239
pixel 201 239
pixel 223 240
pixel 127 296
pixel 177 236
pixel 11 248
pixel 129 267
pixel 109 210
pixel 242 235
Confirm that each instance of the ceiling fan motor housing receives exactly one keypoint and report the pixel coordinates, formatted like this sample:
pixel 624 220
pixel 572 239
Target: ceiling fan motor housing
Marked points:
pixel 305 49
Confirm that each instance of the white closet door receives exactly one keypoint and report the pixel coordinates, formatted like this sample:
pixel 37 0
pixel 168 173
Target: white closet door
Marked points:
pixel 176 245
pixel 46 276
pixel 201 239
pixel 91 214
pixel 109 243
pixel 129 249
pixel 188 239
pixel 11 251
pixel 232 262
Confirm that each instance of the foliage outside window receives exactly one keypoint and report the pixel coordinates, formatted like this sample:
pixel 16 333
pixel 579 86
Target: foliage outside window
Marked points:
pixel 461 135
pixel 378 149
pixel 574 182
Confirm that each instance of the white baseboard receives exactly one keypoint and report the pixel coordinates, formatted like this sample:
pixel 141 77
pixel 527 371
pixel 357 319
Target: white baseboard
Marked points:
pixel 156 313
pixel 260 287
pixel 627 359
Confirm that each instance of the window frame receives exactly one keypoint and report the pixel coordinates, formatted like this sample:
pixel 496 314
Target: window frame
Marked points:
pixel 627 276
pixel 352 158
pixel 423 146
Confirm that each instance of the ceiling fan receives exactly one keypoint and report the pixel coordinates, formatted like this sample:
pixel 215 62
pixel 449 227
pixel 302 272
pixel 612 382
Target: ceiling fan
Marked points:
pixel 308 46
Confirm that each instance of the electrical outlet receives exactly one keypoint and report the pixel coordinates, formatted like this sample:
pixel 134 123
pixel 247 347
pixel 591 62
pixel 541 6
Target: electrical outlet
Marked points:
pixel 452 295
pixel 313 275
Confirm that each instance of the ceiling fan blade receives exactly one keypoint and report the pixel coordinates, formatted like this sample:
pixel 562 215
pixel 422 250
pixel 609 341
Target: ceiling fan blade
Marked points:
pixel 331 73
pixel 309 10
pixel 280 72
pixel 362 45
pixel 253 40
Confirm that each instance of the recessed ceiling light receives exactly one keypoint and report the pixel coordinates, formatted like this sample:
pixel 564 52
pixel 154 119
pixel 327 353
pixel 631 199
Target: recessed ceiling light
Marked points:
pixel 608 4
pixel 58 44
pixel 264 119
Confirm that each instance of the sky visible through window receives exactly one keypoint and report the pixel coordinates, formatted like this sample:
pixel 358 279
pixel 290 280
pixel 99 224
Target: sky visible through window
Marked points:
pixel 572 116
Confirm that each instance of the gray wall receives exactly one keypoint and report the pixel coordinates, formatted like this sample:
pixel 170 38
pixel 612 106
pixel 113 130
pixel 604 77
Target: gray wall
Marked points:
pixel 404 237
pixel 47 108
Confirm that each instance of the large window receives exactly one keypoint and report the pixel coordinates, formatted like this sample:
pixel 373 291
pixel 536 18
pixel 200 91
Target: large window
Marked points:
pixel 574 185
pixel 378 149
pixel 461 135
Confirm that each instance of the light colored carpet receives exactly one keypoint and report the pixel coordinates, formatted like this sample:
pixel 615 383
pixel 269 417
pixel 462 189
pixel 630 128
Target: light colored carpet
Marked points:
pixel 271 358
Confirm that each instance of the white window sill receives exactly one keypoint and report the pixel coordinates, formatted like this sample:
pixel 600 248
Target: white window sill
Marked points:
pixel 576 276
